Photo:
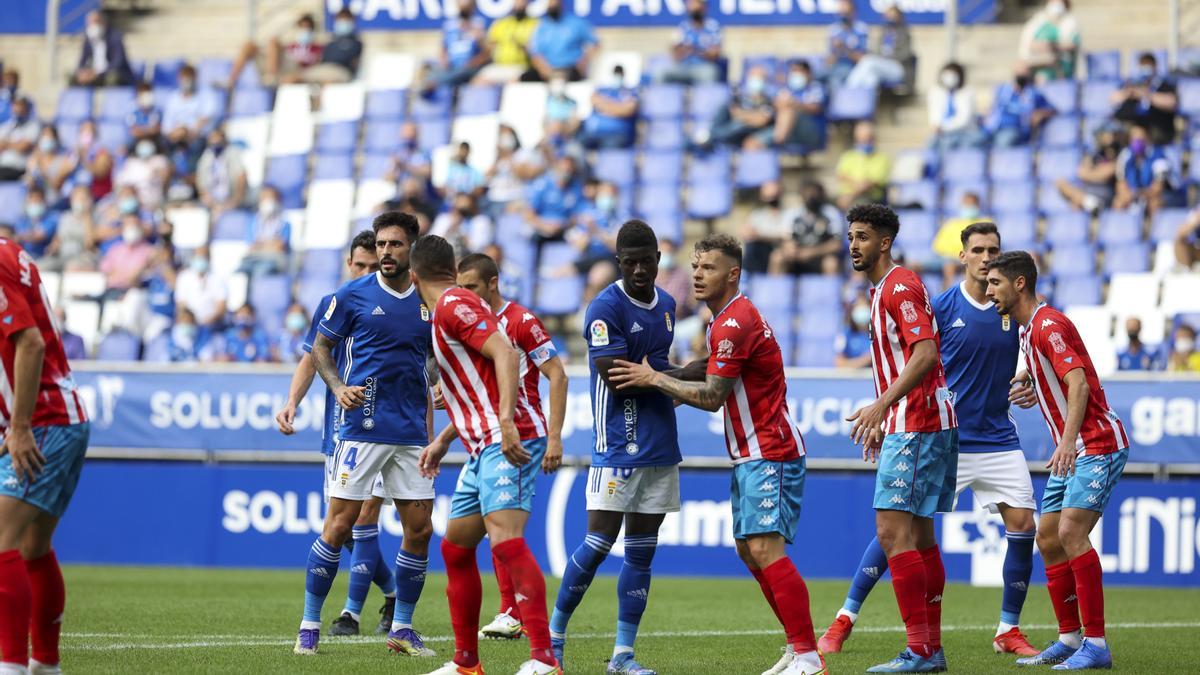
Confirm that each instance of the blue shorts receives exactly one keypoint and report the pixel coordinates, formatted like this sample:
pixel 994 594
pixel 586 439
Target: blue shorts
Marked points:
pixel 64 448
pixel 489 483
pixel 917 472
pixel 1090 487
pixel 765 497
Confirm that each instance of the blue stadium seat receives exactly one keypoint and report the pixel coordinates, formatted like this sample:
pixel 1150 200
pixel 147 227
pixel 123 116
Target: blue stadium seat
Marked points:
pixel 924 193
pixel 1092 124
pixel 1011 164
pixel 288 174
pixel 74 104
pixel 755 167
pixel 814 354
pixel 1188 89
pixel 1118 228
pixel 214 72
pixel 250 102
pixel 478 99
pixel 322 263
pixel 433 133
pixel 663 135
pixel 819 291
pixel 933 283
pixel 1014 195
pixel 386 104
pixel 666 223
pixel 706 100
pixel 1063 95
pixel 1167 222
pixel 68 133
pixel 820 323
pixel 310 290
pixel 138 66
pixel 1059 131
pixel 1074 259
pixel 157 350
pixel 1050 201
pixel 662 101
pixel 772 290
pixel 1104 65
pixel 656 198
pixel 381 136
pixel 1096 97
pixel 113 135
pixel 12 201
pixel 232 226
pixel 661 168
pixel 917 230
pixel 333 166
pixel 615 165
pixel 1077 290
pixel 511 227
pixel 851 104
pixel 375 165
pixel 963 165
pixel 556 297
pixel 1132 258
pixel 271 294
pixel 119 345
pixel 249 79
pixel 166 73
pixel 1066 229
pixel 709 199
pixel 435 106
pixel 952 194
pixel 337 137
pixel 556 255
pixel 116 103
pixel 1058 163
pixel 1018 229
pixel 710 167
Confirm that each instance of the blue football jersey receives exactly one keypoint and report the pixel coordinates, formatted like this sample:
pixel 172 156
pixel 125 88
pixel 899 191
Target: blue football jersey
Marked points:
pixel 979 354
pixel 631 430
pixel 329 424
pixel 386 337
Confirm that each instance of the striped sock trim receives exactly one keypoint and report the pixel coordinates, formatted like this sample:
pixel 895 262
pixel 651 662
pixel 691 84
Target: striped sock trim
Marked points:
pixel 642 541
pixel 360 532
pixel 1021 536
pixel 325 552
pixel 598 543
pixel 410 561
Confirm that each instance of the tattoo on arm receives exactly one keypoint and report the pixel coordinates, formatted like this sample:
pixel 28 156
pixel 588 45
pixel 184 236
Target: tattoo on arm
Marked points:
pixel 326 367
pixel 708 395
pixel 694 371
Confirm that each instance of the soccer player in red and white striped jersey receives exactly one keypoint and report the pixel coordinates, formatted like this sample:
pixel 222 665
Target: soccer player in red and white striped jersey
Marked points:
pixel 45 433
pixel 479 378
pixel 478 273
pixel 744 374
pixel 911 429
pixel 1091 448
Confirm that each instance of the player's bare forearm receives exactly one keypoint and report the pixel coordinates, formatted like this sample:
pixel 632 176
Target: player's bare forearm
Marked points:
pixel 1077 398
pixel 302 380
pixel 506 362
pixel 694 371
pixel 603 364
pixel 554 372
pixel 446 436
pixel 326 367
pixel 924 358
pixel 429 415
pixel 432 374
pixel 708 395
pixel 28 354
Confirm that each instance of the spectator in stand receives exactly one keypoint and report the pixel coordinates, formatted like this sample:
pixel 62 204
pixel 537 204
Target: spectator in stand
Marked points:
pixel 1144 173
pixel 1019 109
pixel 1184 357
pixel 1096 183
pixel 951 107
pixel 221 175
pixel 124 263
pixel 847 43
pixel 51 165
pixel 269 235
pixel 111 210
pixel 148 171
pixel 145 120
pixel 188 114
pixel 10 82
pixel 160 293
pixel 73 246
pixel 764 229
pixel 863 171
pixel 463 225
pixel 696 54
pixel 409 159
pixel 103 62
pixel 562 41
pixel 891 56
pixel 853 345
pixel 800 109
pixel 613 122
pixel 464 53
pixel 37 224
pixel 283 64
pixel 342 55
pixel 511 276
pixel 461 177
pixel 747 120
pixel 1148 99
pixel 18 138
pixel 815 244
pixel 508 41
pixel 1138 355
pixel 553 200
pixel 1050 41
pixel 675 277
pixel 561 120
pixel 947 243
pixel 1187 241
pixel 201 292
pixel 504 186
pixel 594 236
pixel 415 198
pixel 96 171
pixel 73 345
pixel 290 347
pixel 188 341
pixel 245 341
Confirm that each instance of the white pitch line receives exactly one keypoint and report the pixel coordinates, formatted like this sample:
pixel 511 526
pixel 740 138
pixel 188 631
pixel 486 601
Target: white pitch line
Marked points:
pixel 210 641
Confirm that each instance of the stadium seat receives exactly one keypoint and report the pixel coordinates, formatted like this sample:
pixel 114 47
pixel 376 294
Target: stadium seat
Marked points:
pixel 119 345
pixel 213 72
pixel 1018 229
pixel 483 133
pixel 333 166
pixel 1166 222
pixel 74 104
pixel 1060 131
pixel 1181 293
pixel 116 103
pixel 270 295
pixel 821 323
pixel 710 167
pixel 232 225
pixel 663 135
pixel 933 283
pixel 322 263
pixel 755 167
pixel 1010 164
pixel 83 319
pixel 330 203
pixel 770 63
pixel 819 291
pixel 616 166
pixel 1133 290
pixel 291 122
pixel 247 102
pixel 1154 324
pixel 851 104
pixel 381 136
pixel 662 101
pixel 288 175
pixel 433 133
pixel 923 194
pixel 342 102
pixel 76 285
pixel 554 257
pixel 653 198
pixel 557 297
pixel 1188 90
pixel 661 168
pixel 630 62
pixel 705 100
pixel 68 134
pixel 1067 229
pixel 1096 98
pixel 1118 228
pixel 478 100
pixel 1062 94
pixel 370 193
pixel 772 290
pixel 709 199
pixel 1080 289
pixel 52 282
pixel 1162 60
pixel 523 107
pixel 952 194
pixel 189 226
pixel 114 136
pixel 666 223
pixel 1050 201
pixel 1104 65
pixel 1014 195
pixel 1058 163
pixel 166 73
pixel 435 105
pixel 375 165
pixel 814 354
pixel 157 350
pixel 337 137
pixel 390 70
pixel 251 134
pixel 386 104
pixel 1128 258
pixel 12 201
pixel 964 165
pixel 917 230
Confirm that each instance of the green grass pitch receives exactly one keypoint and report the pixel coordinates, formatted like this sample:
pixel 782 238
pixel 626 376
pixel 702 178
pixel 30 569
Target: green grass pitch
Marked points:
pixel 173 620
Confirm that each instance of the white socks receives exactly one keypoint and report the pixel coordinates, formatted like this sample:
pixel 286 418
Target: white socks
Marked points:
pixel 1072 640
pixel 853 616
pixel 1004 628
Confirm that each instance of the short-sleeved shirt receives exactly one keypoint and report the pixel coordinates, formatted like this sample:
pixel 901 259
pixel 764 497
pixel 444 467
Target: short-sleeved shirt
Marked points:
pixel 462 178
pixel 607 125
pixel 1148 357
pixel 526 332
pixel 699 38
pixel 631 430
pixel 185 111
pixel 1139 173
pixel 1013 109
pixel 386 336
pixel 510 37
pixel 462 323
pixel 462 39
pixel 265 229
pixel 252 348
pixel 48 224
pixel 16 131
pixel 1053 348
pixel 856 165
pixel 851 36
pixel 741 345
pixel 551 201
pixel 1161 122
pixel 344 51
pixel 852 343
pixel 329 430
pixel 562 42
pixel 141 117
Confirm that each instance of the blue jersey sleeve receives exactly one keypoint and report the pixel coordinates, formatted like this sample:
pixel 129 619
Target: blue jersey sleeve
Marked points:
pixel 338 320
pixel 311 336
pixel 605 331
pixel 943 307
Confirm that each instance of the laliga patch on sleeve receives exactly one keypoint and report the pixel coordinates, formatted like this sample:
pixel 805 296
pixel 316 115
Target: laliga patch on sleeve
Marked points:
pixel 599 332
pixel 332 306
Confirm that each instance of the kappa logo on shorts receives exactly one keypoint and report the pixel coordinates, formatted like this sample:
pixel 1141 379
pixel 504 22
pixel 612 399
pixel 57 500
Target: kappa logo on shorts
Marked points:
pixel 770 471
pixel 1095 485
pixel 899 483
pixel 11 483
pixel 897 499
pixel 504 497
pixel 767 486
pixel 902 467
pixel 1097 470
pixel 766 504
pixel 768 519
pixel 1092 499
pixel 503 465
pixel 503 481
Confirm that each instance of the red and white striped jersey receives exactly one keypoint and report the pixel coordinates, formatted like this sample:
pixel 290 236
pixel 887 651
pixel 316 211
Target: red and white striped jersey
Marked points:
pixel 24 304
pixel 758 425
pixel 1052 349
pixel 461 324
pixel 529 336
pixel 901 316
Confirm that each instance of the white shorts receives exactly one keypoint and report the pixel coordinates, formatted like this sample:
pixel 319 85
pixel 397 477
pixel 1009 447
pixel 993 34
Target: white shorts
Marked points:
pixel 647 489
pixel 359 471
pixel 327 481
pixel 996 478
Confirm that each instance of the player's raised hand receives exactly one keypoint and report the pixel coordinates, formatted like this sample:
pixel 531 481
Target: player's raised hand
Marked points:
pixel 350 398
pixel 286 418
pixel 552 460
pixel 439 400
pixel 1021 393
pixel 510 445
pixel 430 461
pixel 1062 462
pixel 872 447
pixel 868 424
pixel 27 459
pixel 630 375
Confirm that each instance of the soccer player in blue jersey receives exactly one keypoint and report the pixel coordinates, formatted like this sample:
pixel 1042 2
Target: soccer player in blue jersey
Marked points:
pixel 979 353
pixel 384 421
pixel 634 478
pixel 367 563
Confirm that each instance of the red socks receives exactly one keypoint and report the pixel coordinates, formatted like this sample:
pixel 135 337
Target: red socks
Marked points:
pixel 508 602
pixel 908 580
pixel 1060 581
pixel 791 604
pixel 15 608
pixel 935 585
pixel 1089 587
pixel 530 591
pixel 766 591
pixel 49 600
pixel 464 590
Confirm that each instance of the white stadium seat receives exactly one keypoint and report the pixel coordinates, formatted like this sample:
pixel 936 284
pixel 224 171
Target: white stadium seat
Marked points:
pixel 52 282
pixel 189 226
pixel 370 194
pixel 481 131
pixel 82 284
pixel 523 107
pixel 225 256
pixel 237 288
pixel 1181 293
pixel 83 319
pixel 604 64
pixel 1132 290
pixel 328 214
pixel 252 133
pixel 342 102
pixel 581 92
pixel 292 122
pixel 295 218
pixel 1154 324
pixel 390 71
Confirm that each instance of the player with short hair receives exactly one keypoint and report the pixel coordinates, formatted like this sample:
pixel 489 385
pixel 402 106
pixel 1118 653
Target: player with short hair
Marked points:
pixel 45 431
pixel 479 274
pixel 634 477
pixel 384 421
pixel 1091 448
pixel 911 430
pixel 744 375
pixel 367 564
pixel 979 350
pixel 480 374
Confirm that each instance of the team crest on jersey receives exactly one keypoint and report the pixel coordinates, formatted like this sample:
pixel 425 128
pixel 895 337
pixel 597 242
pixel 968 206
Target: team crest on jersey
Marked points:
pixel 1005 322
pixel 368 424
pixel 667 316
pixel 424 313
pixel 332 306
pixel 908 310
pixel 1057 343
pixel 724 349
pixel 465 314
pixel 599 331
pixel 631 448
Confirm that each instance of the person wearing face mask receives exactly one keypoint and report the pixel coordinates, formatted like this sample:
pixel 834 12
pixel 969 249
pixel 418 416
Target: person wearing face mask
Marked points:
pixel 463 225
pixel 51 165
pixel 290 346
pixel 800 110
pixel 148 172
pixel 145 120
pixel 853 345
pixel 126 262
pixel 561 122
pixel 951 110
pixel 763 230
pixel 1095 182
pixel 188 113
pixel 613 122
pixel 464 52
pixel 1184 357
pixel 552 200
pixel 103 62
pixel 37 224
pixel 74 243
pixel 341 56
pixel 561 42
pixel 863 171
pixel 1144 173
pixel 891 61
pixel 508 41
pixel 282 63
pixel 187 341
pixel 1150 99
pixel 504 185
pixel 947 243
pixel 408 159
pixel 1138 355
pixel 748 117
pixel 1050 41
pixel 221 175
pixel 269 235
pixel 203 293
pixel 18 139
pixel 815 240
pixel 1018 109
pixel 10 82
pixel 847 43
pixel 696 53
pixel 594 235
pixel 461 177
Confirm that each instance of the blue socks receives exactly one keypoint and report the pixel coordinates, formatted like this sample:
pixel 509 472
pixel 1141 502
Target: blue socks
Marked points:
pixel 384 578
pixel 321 569
pixel 410 580
pixel 1018 566
pixel 364 560
pixel 581 568
pixel 633 589
pixel 870 569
